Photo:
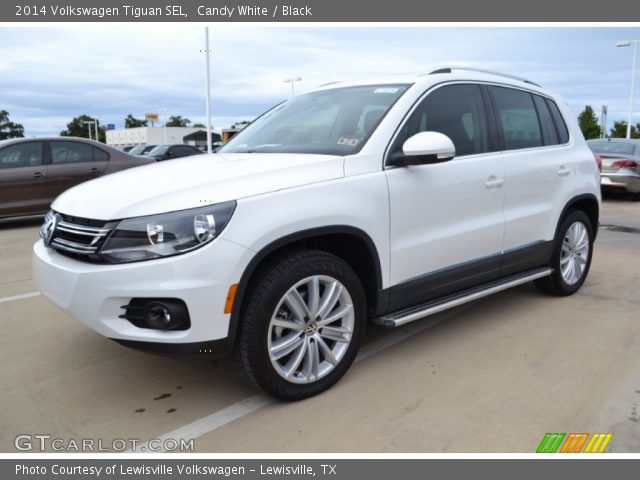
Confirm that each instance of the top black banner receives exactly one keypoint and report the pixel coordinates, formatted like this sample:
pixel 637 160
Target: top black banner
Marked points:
pixel 318 11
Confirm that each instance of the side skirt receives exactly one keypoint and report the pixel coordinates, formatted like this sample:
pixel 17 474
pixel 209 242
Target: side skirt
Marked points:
pixel 401 317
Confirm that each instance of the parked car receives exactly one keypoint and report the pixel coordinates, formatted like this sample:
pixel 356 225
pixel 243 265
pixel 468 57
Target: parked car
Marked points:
pixel 127 148
pixel 620 163
pixel 34 171
pixel 168 152
pixel 386 200
pixel 141 149
pixel 215 146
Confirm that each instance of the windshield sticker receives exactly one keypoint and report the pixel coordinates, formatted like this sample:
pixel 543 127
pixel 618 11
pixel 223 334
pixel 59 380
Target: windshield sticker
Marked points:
pixel 386 90
pixel 348 141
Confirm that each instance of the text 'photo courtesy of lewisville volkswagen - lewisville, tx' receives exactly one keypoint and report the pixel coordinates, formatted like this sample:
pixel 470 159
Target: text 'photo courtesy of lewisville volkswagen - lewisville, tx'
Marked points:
pixel 374 239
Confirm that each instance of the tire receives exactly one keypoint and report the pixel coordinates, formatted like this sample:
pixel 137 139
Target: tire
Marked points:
pixel 277 340
pixel 571 258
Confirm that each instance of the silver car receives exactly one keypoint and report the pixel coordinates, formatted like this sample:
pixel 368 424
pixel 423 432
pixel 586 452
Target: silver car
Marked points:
pixel 620 163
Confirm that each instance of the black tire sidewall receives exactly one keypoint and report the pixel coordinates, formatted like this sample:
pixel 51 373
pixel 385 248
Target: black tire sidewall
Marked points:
pixel 561 286
pixel 263 302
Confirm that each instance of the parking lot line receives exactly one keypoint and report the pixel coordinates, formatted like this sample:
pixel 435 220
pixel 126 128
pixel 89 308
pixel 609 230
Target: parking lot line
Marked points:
pixel 249 405
pixel 19 297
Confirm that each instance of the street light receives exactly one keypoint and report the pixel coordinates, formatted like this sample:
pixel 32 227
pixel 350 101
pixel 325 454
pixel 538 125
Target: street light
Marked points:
pixel 208 89
pixel 628 43
pixel 88 124
pixel 291 81
pixel 165 113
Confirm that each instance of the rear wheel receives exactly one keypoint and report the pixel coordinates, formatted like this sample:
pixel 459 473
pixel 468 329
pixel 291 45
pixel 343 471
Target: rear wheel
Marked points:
pixel 571 256
pixel 302 325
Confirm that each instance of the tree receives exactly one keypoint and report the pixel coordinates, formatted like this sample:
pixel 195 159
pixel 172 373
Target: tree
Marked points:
pixel 589 123
pixel 77 128
pixel 133 122
pixel 241 125
pixel 9 129
pixel 198 125
pixel 619 130
pixel 178 121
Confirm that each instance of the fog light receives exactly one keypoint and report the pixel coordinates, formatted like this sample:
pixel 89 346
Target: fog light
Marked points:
pixel 157 315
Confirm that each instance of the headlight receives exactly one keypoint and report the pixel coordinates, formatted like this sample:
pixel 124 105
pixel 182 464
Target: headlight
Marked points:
pixel 167 234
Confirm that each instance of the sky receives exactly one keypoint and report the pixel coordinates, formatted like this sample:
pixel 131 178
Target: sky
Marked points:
pixel 48 75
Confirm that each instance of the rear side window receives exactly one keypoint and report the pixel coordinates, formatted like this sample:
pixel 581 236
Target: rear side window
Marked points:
pixel 28 154
pixel 99 155
pixel 549 134
pixel 518 117
pixel 456 111
pixel 561 127
pixel 70 152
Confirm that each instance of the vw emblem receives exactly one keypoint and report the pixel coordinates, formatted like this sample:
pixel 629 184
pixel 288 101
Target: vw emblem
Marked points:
pixel 49 228
pixel 311 328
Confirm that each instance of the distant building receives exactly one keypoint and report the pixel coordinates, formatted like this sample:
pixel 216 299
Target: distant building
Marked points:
pixel 199 138
pixel 149 135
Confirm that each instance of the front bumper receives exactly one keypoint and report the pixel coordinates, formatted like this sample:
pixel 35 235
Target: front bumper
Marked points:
pixel 93 294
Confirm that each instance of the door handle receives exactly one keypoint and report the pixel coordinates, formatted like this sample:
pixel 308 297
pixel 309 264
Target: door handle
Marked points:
pixel 563 171
pixel 39 174
pixel 493 182
pixel 94 170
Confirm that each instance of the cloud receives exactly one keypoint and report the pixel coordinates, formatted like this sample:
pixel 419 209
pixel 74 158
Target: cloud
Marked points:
pixel 50 74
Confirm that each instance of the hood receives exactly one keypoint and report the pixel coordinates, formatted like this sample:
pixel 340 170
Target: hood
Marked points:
pixel 192 182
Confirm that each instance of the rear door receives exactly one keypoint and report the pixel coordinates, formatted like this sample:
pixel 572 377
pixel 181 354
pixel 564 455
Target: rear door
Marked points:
pixel 72 163
pixel 537 170
pixel 23 188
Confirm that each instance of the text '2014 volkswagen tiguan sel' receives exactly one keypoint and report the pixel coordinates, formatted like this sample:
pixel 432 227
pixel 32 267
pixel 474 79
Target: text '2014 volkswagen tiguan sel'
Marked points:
pixel 387 201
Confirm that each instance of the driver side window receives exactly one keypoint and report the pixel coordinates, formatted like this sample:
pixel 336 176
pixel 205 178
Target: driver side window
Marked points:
pixel 454 110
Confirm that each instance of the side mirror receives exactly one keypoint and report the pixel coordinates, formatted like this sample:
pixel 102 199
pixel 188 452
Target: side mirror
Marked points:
pixel 424 148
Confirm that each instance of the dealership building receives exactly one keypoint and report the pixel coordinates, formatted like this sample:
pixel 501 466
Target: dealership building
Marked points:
pixel 155 136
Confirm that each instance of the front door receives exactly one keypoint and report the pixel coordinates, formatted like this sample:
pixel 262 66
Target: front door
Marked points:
pixel 447 219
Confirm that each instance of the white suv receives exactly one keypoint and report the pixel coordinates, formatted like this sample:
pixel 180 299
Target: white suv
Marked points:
pixel 387 200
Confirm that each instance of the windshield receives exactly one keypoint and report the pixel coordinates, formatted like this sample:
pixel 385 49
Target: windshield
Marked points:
pixel 159 150
pixel 137 150
pixel 330 122
pixel 624 148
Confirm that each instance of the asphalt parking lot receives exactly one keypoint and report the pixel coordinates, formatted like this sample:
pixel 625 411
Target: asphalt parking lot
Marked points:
pixel 493 376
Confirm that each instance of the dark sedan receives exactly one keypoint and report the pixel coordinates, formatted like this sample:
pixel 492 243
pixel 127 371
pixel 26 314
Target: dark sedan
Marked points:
pixel 168 152
pixel 34 171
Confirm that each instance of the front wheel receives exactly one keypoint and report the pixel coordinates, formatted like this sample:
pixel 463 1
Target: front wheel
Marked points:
pixel 571 256
pixel 302 324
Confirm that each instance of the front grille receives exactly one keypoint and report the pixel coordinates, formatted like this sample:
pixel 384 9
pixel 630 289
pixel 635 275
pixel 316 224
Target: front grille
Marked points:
pixel 80 238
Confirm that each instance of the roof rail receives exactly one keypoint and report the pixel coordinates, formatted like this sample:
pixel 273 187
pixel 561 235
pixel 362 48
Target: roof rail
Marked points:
pixel 479 70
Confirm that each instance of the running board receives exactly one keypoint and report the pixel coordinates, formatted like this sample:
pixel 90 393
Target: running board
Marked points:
pixel 400 317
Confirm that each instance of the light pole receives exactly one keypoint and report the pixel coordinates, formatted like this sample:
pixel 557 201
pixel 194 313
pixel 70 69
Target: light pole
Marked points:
pixel 628 43
pixel 208 95
pixel 165 113
pixel 88 124
pixel 291 81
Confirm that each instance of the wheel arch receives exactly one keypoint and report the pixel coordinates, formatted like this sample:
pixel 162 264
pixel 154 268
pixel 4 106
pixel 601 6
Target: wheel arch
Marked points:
pixel 588 203
pixel 351 244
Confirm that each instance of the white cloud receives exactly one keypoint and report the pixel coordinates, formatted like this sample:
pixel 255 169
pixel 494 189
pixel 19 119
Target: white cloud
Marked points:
pixel 48 75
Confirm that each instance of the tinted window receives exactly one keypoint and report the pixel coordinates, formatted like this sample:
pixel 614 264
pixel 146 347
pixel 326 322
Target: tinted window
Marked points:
pixel 561 127
pixel 549 134
pixel 99 155
pixel 518 118
pixel 183 151
pixel 456 111
pixel 70 152
pixel 27 154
